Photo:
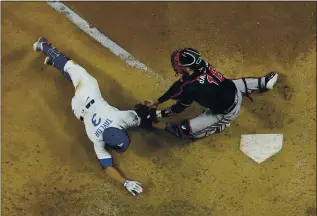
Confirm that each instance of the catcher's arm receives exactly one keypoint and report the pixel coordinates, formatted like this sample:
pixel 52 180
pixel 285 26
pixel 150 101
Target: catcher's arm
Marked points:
pixel 172 93
pixel 178 107
pixel 149 116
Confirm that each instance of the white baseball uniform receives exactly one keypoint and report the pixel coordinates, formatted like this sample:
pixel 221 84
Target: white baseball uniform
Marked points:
pixel 100 114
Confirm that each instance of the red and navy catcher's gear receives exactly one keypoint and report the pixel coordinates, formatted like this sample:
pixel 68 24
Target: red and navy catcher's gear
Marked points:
pixel 187 57
pixel 210 89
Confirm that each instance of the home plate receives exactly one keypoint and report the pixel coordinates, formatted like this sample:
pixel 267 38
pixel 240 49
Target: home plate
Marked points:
pixel 260 147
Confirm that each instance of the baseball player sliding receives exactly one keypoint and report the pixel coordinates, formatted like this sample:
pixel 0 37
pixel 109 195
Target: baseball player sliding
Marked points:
pixel 201 83
pixel 105 125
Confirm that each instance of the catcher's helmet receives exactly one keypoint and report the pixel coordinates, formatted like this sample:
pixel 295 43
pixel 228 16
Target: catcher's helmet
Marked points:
pixel 187 57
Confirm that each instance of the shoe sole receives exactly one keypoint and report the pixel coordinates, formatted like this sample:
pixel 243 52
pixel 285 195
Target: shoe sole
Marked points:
pixel 35 44
pixel 270 84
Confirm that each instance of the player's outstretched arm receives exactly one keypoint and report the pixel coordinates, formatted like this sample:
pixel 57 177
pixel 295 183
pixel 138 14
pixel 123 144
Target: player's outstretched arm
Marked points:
pixel 172 93
pixel 105 160
pixel 114 174
pixel 133 187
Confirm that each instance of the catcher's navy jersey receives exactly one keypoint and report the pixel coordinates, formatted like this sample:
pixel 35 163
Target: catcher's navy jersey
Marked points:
pixel 201 88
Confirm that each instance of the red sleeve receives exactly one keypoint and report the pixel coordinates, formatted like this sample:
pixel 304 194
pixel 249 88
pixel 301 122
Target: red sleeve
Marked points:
pixel 213 72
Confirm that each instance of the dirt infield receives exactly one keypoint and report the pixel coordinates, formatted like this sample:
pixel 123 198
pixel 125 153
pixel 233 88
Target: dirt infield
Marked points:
pixel 49 165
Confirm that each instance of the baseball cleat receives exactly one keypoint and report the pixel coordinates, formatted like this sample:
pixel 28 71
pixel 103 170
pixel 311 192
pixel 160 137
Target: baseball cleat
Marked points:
pixel 38 45
pixel 48 61
pixel 270 80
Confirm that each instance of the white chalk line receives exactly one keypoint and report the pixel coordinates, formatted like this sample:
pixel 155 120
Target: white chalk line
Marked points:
pixel 105 41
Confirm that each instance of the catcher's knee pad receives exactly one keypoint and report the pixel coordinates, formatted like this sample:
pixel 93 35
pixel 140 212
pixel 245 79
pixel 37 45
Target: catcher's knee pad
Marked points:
pixel 181 130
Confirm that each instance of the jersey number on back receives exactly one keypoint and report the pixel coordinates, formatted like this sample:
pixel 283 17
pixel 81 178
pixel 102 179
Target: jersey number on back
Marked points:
pixel 203 78
pixel 215 73
pixel 94 121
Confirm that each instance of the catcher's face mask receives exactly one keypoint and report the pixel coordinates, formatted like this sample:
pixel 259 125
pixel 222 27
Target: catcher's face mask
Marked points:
pixel 177 66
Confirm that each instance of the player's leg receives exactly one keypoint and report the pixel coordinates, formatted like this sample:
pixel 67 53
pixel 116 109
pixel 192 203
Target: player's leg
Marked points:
pixel 56 59
pixel 71 70
pixel 256 84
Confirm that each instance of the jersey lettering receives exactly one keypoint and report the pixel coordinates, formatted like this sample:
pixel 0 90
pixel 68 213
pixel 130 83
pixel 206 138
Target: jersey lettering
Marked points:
pixel 94 121
pixel 215 73
pixel 210 79
pixel 201 79
pixel 100 129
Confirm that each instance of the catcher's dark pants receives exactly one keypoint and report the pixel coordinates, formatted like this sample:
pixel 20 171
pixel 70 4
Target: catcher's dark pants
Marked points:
pixel 207 123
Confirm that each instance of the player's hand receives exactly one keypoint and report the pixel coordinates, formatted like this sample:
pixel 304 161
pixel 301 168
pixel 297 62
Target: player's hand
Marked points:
pixel 133 187
pixel 150 103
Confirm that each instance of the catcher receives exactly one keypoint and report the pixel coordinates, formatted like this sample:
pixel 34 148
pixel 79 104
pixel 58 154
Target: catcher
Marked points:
pixel 200 82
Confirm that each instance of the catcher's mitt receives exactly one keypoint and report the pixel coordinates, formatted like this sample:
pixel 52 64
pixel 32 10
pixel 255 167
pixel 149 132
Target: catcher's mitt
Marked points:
pixel 147 115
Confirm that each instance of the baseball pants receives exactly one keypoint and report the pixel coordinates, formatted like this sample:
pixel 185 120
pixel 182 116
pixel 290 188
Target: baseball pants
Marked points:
pixel 207 123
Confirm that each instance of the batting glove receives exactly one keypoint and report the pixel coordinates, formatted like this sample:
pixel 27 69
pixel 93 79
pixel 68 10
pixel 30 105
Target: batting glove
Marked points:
pixel 133 187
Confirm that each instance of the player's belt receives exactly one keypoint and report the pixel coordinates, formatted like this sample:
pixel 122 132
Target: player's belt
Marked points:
pixel 87 107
